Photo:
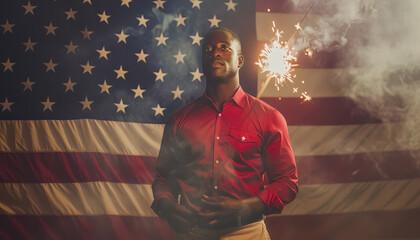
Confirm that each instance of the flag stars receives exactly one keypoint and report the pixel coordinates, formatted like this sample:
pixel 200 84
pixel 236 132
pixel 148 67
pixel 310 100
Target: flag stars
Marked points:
pixel 141 56
pixel 126 3
pixel 196 3
pixel 86 33
pixel 142 21
pixel 122 36
pixel 87 68
pixel 86 104
pixel 138 92
pixel 179 57
pixel 104 87
pixel 214 21
pixel 120 73
pixel 159 3
pixel 197 75
pixel 103 17
pixel 177 93
pixel 29 8
pixel 47 104
pixel 7 27
pixel 158 110
pixel 28 84
pixel 121 106
pixel 50 66
pixel 161 40
pixel 69 85
pixel 8 65
pixel 160 75
pixel 103 53
pixel 180 20
pixel 87 1
pixel 71 48
pixel 6 105
pixel 196 39
pixel 71 14
pixel 231 5
pixel 50 29
pixel 29 45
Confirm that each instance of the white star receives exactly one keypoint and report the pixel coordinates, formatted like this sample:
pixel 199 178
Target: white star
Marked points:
pixel 86 104
pixel 122 36
pixel 71 48
pixel 104 87
pixel 47 104
pixel 50 29
pixel 28 84
pixel 196 3
pixel 214 21
pixel 8 65
pixel 197 75
pixel 103 17
pixel 159 3
pixel 87 68
pixel 196 39
pixel 159 75
pixel 29 45
pixel 141 56
pixel 120 72
pixel 103 53
pixel 6 105
pixel 230 5
pixel 29 8
pixel 50 66
pixel 180 20
pixel 142 21
pixel 86 33
pixel 7 27
pixel 161 39
pixel 138 92
pixel 69 85
pixel 126 2
pixel 158 110
pixel 71 14
pixel 121 106
pixel 87 1
pixel 179 57
pixel 177 93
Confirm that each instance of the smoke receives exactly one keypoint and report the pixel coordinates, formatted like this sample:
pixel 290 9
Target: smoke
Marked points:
pixel 382 41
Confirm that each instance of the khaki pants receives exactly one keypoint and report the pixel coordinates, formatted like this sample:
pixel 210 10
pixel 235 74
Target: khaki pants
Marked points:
pixel 252 231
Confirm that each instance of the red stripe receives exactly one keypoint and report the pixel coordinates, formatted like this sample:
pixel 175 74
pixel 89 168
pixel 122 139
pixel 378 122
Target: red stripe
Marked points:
pixel 76 167
pixel 365 225
pixel 84 227
pixel 321 111
pixel 364 167
pixel 87 167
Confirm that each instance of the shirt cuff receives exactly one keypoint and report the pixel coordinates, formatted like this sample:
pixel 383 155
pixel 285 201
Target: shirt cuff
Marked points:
pixel 155 205
pixel 272 202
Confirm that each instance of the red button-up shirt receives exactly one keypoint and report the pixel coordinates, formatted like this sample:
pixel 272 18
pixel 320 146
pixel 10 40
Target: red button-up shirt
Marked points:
pixel 208 151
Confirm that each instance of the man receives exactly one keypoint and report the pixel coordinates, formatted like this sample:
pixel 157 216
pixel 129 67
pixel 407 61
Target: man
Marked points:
pixel 215 152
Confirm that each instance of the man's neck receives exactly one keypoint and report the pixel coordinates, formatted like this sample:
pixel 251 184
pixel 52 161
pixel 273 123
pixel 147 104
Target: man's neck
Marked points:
pixel 221 92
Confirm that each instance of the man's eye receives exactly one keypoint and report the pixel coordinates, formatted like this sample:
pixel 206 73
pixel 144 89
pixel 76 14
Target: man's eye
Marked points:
pixel 225 48
pixel 207 49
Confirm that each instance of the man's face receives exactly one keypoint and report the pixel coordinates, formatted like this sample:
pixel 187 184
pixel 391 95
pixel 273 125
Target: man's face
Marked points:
pixel 221 58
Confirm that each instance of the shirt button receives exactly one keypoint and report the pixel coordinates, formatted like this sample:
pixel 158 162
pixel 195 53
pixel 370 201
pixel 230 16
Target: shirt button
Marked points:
pixel 217 161
pixel 220 114
pixel 216 187
pixel 217 137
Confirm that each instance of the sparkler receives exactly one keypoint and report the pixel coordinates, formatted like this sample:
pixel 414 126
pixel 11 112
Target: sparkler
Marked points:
pixel 277 60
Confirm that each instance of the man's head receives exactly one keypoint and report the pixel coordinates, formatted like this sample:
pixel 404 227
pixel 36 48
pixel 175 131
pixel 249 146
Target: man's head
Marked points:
pixel 221 55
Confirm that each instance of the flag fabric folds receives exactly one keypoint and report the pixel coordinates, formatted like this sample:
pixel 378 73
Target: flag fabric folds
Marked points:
pixel 86 87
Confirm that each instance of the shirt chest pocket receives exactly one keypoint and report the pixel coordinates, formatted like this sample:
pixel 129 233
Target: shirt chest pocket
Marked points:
pixel 244 142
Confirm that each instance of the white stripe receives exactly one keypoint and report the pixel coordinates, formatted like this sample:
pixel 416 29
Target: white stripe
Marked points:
pixel 318 82
pixel 105 198
pixel 144 139
pixel 356 197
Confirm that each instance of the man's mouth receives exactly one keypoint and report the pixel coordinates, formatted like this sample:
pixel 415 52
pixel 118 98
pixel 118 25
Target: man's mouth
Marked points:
pixel 217 64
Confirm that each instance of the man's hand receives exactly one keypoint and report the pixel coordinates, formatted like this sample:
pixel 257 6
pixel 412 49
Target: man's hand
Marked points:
pixel 221 212
pixel 179 217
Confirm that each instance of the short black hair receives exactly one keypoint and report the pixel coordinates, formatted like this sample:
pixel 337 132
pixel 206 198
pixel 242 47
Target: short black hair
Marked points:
pixel 234 35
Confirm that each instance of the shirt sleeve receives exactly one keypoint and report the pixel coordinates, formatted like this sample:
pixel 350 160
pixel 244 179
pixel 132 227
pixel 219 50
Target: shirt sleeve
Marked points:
pixel 280 165
pixel 161 187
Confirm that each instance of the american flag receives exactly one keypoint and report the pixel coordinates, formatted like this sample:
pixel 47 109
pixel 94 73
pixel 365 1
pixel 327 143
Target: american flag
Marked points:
pixel 86 87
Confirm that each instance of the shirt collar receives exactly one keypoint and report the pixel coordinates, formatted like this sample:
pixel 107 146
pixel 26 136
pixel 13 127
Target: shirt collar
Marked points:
pixel 238 97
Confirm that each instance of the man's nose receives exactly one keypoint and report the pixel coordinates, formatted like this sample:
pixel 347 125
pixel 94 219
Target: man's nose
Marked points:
pixel 216 53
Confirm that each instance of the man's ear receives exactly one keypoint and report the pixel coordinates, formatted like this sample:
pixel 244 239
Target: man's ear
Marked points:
pixel 240 61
